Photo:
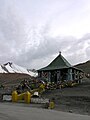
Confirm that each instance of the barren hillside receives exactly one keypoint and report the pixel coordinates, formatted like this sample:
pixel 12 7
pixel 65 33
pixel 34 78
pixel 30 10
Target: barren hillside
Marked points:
pixel 12 78
pixel 84 66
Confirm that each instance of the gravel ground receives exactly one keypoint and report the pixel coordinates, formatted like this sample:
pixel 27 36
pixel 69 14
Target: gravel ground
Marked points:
pixel 74 100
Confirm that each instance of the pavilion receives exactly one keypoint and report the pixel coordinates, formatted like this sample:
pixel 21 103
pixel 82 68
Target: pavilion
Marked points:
pixel 59 70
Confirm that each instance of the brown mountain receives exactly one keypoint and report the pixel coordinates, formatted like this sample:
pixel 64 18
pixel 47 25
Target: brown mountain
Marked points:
pixel 12 78
pixel 84 66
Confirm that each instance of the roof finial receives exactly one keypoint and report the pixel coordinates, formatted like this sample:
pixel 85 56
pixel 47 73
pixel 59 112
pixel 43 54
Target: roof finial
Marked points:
pixel 59 52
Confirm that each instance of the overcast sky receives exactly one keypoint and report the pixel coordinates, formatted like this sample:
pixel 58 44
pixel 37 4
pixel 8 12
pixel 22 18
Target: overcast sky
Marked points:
pixel 32 32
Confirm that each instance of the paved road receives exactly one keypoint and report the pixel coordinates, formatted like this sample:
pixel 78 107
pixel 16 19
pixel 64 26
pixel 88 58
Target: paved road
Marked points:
pixel 12 111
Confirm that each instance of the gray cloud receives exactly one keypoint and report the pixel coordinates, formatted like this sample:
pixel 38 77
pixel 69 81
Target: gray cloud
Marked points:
pixel 75 50
pixel 34 48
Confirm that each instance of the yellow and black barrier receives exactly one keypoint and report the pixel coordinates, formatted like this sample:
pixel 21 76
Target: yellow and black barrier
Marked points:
pixel 23 96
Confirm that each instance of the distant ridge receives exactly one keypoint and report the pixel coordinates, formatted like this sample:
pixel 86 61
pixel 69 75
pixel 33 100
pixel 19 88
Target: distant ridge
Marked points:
pixel 84 66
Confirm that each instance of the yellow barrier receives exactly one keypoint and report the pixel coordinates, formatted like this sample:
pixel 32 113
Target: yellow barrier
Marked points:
pixel 27 97
pixel 41 88
pixel 24 96
pixel 32 91
pixel 51 105
pixel 21 96
pixel 14 96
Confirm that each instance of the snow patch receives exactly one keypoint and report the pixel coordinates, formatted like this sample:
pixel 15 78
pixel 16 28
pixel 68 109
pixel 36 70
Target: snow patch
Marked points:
pixel 13 68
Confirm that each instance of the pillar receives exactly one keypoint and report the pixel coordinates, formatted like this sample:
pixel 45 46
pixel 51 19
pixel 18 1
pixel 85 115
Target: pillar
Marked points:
pixel 27 97
pixel 69 74
pixel 14 96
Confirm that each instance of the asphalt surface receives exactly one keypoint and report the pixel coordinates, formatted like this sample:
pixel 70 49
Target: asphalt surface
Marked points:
pixel 15 111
